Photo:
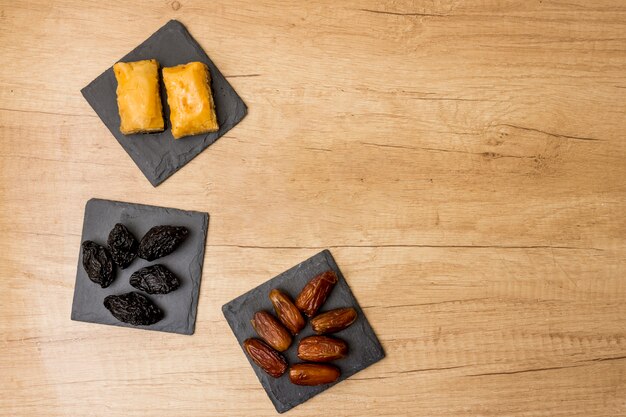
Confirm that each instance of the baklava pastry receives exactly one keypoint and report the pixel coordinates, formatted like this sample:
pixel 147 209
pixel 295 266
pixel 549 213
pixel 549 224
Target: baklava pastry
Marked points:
pixel 138 98
pixel 192 110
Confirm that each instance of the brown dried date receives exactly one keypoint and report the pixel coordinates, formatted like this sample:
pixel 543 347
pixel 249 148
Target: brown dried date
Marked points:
pixel 313 374
pixel 272 362
pixel 315 292
pixel 98 263
pixel 154 279
pixel 322 349
pixel 122 245
pixel 161 241
pixel 334 320
pixel 133 308
pixel 287 312
pixel 270 330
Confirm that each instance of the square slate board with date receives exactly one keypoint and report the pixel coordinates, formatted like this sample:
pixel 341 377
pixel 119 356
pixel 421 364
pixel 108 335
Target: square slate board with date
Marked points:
pixel 159 155
pixel 364 347
pixel 185 262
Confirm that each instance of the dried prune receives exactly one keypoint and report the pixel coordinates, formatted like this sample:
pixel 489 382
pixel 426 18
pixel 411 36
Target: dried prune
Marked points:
pixel 122 245
pixel 161 241
pixel 154 279
pixel 133 308
pixel 98 263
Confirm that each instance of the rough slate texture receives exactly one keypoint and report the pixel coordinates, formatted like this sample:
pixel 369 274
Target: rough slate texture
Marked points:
pixel 159 155
pixel 180 306
pixel 365 349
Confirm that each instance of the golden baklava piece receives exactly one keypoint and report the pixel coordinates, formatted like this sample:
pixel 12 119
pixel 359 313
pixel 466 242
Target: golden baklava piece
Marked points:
pixel 192 110
pixel 138 97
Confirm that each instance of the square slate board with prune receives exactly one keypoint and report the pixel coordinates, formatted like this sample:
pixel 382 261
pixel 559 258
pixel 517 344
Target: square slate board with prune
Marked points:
pixel 364 349
pixel 172 287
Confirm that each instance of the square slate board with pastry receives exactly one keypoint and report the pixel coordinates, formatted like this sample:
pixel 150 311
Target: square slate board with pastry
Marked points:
pixel 251 314
pixel 159 126
pixel 140 266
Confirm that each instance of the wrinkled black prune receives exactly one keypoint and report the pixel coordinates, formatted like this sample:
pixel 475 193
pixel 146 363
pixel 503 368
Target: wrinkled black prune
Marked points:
pixel 122 245
pixel 133 308
pixel 154 279
pixel 98 263
pixel 161 241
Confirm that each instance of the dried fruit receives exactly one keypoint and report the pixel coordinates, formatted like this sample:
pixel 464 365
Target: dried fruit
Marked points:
pixel 154 279
pixel 287 312
pixel 313 374
pixel 98 263
pixel 315 292
pixel 267 358
pixel 322 349
pixel 122 245
pixel 133 308
pixel 270 330
pixel 334 320
pixel 161 241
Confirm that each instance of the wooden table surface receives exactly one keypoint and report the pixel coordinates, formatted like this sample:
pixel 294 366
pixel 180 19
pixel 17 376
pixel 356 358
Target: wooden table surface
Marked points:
pixel 464 161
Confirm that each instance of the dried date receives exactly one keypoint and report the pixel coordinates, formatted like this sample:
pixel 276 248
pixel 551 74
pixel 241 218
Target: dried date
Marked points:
pixel 272 362
pixel 313 374
pixel 98 263
pixel 287 312
pixel 270 330
pixel 122 245
pixel 133 308
pixel 322 349
pixel 334 320
pixel 161 241
pixel 315 292
pixel 154 279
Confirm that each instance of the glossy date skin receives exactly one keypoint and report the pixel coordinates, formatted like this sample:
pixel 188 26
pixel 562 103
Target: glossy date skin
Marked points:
pixel 287 312
pixel 311 374
pixel 322 349
pixel 271 330
pixel 315 292
pixel 272 362
pixel 334 320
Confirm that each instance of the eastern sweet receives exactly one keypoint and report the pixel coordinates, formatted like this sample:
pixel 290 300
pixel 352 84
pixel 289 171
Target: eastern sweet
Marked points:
pixel 189 97
pixel 138 97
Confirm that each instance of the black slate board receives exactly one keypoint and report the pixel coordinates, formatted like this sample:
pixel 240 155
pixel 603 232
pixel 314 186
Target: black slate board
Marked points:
pixel 186 261
pixel 159 155
pixel 364 347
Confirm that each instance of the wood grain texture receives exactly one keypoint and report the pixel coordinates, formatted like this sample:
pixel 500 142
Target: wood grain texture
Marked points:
pixel 463 160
